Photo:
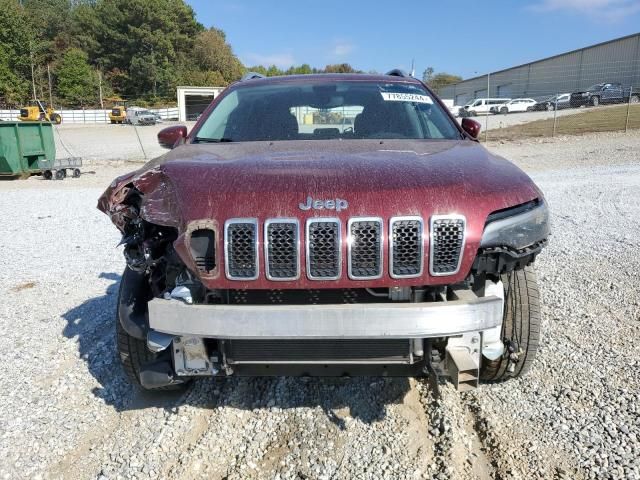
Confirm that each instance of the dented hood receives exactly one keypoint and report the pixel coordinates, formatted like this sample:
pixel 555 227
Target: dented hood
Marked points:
pixel 263 179
pixel 215 182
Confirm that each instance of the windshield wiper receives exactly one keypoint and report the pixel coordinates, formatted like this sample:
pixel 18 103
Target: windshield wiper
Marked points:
pixel 212 140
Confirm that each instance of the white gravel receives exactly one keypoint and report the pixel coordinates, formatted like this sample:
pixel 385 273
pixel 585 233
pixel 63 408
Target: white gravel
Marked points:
pixel 99 143
pixel 502 120
pixel 67 412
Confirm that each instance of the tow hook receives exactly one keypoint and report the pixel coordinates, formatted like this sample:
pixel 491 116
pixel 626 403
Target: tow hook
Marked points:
pixel 513 351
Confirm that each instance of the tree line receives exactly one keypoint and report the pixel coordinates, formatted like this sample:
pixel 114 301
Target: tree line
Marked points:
pixel 79 52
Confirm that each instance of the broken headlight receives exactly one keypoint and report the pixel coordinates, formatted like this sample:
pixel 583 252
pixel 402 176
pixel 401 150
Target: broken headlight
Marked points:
pixel 517 227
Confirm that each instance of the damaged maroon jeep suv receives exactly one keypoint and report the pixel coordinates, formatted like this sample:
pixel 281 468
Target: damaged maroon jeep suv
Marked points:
pixel 327 225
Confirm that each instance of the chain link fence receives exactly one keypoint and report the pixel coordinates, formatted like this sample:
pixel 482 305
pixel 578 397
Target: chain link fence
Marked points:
pixel 565 95
pixel 90 115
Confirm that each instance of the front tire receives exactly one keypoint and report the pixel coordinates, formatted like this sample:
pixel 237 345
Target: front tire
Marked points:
pixel 520 327
pixel 134 354
pixel 595 101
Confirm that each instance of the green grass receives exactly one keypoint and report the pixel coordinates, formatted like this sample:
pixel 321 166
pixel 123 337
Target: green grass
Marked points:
pixel 601 119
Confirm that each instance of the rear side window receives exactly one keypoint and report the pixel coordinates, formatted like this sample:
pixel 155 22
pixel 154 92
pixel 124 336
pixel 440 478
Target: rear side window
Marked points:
pixel 327 110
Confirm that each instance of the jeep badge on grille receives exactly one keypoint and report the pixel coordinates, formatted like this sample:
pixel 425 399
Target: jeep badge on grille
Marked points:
pixel 338 204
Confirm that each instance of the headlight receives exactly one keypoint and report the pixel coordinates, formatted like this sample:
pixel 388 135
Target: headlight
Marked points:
pixel 517 227
pixel 585 94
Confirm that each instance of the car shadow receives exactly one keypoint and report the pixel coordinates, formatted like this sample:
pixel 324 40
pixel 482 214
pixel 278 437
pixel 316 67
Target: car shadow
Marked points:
pixel 92 324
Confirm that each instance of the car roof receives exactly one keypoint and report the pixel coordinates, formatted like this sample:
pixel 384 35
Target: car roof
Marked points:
pixel 326 77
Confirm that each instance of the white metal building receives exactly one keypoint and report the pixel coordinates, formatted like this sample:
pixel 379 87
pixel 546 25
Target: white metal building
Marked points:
pixel 193 100
pixel 617 60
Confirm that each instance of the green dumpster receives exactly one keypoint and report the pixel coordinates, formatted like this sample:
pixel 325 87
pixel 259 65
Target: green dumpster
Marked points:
pixel 22 145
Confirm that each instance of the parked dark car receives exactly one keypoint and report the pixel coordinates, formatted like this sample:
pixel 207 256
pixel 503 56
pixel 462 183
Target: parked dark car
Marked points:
pixel 602 93
pixel 553 102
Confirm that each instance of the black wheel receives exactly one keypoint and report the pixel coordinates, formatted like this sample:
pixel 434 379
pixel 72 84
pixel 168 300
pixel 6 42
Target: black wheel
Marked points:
pixel 504 110
pixel 113 122
pixel 76 173
pixel 634 99
pixel 520 328
pixel 47 175
pixel 134 353
pixel 56 118
pixel 60 174
pixel 595 101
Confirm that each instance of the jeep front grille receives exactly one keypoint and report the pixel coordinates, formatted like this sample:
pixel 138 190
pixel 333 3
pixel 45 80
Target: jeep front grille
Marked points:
pixel 282 249
pixel 447 243
pixel 241 248
pixel 406 247
pixel 365 248
pixel 368 244
pixel 324 260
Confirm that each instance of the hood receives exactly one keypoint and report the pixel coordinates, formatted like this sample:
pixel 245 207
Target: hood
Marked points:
pixel 215 182
pixel 206 181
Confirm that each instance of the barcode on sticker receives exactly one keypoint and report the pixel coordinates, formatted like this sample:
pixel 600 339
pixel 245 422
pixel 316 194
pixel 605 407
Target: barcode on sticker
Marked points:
pixel 405 97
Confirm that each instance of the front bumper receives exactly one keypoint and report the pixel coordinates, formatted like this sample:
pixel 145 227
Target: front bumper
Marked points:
pixel 467 313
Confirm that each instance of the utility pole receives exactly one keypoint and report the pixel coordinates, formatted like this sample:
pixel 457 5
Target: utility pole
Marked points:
pixel 50 94
pixel 486 120
pixel 100 89
pixel 33 80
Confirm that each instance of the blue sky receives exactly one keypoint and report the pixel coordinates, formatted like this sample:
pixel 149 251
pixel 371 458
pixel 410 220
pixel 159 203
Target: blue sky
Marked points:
pixel 462 37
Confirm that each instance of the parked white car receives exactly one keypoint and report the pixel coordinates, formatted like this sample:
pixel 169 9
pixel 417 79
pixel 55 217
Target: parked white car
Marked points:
pixel 516 105
pixel 140 116
pixel 481 106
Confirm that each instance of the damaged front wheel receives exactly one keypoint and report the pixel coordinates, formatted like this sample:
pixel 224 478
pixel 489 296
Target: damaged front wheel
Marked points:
pixel 520 328
pixel 148 370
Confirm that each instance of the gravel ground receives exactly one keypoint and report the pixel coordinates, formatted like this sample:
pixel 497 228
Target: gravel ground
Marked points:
pixel 67 411
pixel 501 120
pixel 123 142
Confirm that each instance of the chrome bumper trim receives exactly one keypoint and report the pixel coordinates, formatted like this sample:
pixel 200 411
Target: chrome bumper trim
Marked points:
pixel 373 320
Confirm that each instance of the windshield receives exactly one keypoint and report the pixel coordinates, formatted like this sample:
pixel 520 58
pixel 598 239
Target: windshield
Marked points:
pixel 327 110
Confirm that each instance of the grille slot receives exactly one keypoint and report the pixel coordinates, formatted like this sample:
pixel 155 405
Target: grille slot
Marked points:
pixel 241 248
pixel 365 248
pixel 282 249
pixel 203 249
pixel 447 242
pixel 406 249
pixel 323 249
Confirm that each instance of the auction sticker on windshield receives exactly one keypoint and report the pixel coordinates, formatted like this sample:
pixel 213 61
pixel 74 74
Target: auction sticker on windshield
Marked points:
pixel 405 97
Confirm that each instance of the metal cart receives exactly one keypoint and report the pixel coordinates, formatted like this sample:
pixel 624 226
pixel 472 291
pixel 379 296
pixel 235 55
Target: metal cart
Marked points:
pixel 57 169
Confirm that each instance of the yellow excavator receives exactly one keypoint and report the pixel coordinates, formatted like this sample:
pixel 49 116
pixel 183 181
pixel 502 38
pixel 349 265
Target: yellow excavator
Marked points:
pixel 38 111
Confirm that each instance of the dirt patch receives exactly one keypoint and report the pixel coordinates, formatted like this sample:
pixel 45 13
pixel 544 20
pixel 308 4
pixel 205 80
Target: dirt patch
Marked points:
pixel 23 286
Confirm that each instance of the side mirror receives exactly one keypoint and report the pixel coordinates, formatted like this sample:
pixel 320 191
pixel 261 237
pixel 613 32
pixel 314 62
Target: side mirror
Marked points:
pixel 168 137
pixel 470 126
